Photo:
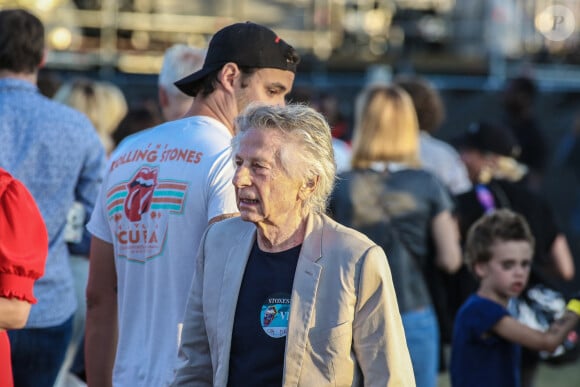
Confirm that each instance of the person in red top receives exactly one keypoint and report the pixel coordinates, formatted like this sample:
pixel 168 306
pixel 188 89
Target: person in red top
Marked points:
pixel 23 252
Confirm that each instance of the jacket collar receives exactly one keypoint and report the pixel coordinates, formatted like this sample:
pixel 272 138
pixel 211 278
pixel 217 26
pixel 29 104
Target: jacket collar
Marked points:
pixel 312 244
pixel 304 291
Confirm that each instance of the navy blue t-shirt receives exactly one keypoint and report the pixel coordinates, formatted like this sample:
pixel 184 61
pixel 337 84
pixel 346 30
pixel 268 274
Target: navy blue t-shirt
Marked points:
pixel 261 319
pixel 480 358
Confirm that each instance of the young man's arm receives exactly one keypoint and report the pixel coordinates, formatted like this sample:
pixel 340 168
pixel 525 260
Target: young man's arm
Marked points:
pixel 512 330
pixel 101 325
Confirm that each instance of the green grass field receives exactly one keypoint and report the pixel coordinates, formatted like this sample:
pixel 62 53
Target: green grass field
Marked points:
pixel 548 376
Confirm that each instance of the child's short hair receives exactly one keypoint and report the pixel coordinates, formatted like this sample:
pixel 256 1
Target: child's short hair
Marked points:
pixel 501 225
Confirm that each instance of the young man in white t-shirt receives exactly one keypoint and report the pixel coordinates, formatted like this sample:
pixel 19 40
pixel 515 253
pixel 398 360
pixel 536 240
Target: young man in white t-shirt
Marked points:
pixel 163 186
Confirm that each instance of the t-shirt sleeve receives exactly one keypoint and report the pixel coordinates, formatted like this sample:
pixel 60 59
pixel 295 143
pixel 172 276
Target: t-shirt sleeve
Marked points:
pixel 484 315
pixel 91 174
pixel 23 240
pixel 441 198
pixel 98 224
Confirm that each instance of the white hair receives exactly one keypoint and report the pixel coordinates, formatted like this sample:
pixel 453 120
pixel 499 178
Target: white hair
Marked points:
pixel 310 130
pixel 179 61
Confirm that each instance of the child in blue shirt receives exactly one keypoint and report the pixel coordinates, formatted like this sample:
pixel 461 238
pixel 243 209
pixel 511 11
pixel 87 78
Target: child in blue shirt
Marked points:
pixel 486 339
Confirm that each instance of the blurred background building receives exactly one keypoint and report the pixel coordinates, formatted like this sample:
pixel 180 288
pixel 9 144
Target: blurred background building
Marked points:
pixel 437 36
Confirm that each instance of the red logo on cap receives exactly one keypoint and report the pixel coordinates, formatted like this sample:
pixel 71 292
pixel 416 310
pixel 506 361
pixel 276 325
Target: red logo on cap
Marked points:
pixel 277 40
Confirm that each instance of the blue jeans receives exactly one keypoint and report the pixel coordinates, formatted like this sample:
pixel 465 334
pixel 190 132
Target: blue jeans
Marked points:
pixel 37 354
pixel 422 333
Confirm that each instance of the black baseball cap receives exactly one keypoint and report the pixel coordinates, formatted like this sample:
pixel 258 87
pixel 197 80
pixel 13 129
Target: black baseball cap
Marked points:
pixel 489 137
pixel 246 44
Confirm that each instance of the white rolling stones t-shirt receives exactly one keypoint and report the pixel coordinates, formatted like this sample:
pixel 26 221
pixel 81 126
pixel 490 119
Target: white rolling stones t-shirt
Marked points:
pixel 162 187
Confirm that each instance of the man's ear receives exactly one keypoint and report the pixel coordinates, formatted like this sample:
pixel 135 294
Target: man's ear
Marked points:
pixel 43 60
pixel 480 269
pixel 228 75
pixel 308 187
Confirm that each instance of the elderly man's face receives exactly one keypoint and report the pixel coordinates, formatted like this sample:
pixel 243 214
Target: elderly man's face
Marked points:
pixel 265 194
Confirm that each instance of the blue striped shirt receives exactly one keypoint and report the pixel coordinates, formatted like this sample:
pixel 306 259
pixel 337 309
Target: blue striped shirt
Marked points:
pixel 55 151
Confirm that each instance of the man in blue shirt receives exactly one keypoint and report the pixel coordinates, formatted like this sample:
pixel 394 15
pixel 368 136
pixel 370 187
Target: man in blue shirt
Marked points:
pixel 56 153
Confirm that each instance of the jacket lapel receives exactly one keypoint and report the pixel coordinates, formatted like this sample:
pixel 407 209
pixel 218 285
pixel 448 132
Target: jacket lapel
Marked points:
pixel 303 300
pixel 236 259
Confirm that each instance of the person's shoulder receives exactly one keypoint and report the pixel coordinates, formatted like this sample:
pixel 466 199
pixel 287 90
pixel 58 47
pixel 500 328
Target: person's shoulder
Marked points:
pixel 438 154
pixel 345 249
pixel 520 195
pixel 229 229
pixel 512 186
pixel 433 144
pixel 474 301
pixel 481 309
pixel 170 130
pixel 205 131
pixel 419 177
pixel 343 237
pixel 466 198
pixel 471 307
pixel 132 139
pixel 64 113
pixel 202 122
pixel 63 124
pixel 427 175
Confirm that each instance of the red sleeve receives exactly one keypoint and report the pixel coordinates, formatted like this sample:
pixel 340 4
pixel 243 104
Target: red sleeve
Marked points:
pixel 23 240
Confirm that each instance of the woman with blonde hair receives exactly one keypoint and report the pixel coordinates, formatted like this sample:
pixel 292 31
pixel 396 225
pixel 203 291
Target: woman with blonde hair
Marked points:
pixel 387 128
pixel 404 209
pixel 102 102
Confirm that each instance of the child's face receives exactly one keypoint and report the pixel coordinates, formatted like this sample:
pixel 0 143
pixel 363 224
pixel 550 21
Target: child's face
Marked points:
pixel 506 273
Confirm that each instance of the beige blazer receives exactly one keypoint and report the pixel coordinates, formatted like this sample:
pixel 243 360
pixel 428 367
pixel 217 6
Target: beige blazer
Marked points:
pixel 344 327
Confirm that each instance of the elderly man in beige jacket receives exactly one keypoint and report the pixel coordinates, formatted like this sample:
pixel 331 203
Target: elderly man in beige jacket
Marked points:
pixel 283 295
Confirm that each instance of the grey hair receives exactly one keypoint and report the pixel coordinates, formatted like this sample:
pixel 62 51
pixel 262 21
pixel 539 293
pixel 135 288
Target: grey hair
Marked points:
pixel 179 61
pixel 310 131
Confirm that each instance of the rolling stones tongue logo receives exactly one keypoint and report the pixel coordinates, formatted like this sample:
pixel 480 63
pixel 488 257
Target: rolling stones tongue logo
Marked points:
pixel 140 193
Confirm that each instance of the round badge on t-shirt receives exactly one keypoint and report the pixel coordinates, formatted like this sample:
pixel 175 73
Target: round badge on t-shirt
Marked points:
pixel 274 315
